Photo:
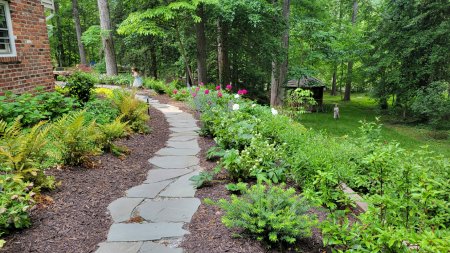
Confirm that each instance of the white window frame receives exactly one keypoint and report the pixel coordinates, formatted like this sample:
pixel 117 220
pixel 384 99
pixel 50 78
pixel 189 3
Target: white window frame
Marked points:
pixel 10 31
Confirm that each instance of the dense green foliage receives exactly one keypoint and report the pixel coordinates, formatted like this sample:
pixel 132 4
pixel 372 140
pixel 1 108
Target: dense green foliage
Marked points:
pixel 406 190
pixel 69 139
pixel 34 108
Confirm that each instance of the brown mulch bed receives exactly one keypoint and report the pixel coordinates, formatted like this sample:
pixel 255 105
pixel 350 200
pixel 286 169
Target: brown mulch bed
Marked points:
pixel 77 220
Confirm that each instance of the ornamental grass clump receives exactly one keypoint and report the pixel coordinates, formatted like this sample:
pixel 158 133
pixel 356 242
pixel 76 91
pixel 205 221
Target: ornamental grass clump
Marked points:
pixel 270 213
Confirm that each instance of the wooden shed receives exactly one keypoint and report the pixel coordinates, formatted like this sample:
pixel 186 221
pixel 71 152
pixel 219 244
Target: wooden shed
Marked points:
pixel 309 83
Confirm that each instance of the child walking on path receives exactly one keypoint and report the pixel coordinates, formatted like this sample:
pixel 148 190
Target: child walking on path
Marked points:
pixel 336 112
pixel 137 83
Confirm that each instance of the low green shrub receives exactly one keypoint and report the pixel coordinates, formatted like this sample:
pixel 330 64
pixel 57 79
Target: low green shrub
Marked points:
pixel 80 85
pixel 103 111
pixel 122 79
pixel 259 160
pixel 272 214
pixel 15 202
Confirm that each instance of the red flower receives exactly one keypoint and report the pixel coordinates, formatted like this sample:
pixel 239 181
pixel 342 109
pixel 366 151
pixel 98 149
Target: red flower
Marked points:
pixel 218 87
pixel 229 87
pixel 219 94
pixel 206 92
pixel 175 92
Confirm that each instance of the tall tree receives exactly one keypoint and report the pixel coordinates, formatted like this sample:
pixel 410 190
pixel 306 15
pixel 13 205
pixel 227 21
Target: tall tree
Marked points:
pixel 60 54
pixel 348 84
pixel 201 45
pixel 223 61
pixel 107 39
pixel 76 18
pixel 280 68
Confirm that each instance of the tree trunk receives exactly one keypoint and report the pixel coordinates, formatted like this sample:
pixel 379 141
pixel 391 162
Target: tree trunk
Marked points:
pixel 333 80
pixel 76 18
pixel 222 54
pixel 184 55
pixel 280 70
pixel 61 56
pixel 154 60
pixel 107 39
pixel 348 84
pixel 201 46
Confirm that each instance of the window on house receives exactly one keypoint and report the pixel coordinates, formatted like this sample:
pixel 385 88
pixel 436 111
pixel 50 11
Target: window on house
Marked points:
pixel 6 36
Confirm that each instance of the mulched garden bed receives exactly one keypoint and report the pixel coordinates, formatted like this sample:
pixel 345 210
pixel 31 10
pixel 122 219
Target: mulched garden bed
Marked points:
pixel 77 220
pixel 207 233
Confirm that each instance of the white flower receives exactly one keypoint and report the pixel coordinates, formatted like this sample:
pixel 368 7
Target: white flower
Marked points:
pixel 253 105
pixel 274 111
pixel 236 96
pixel 235 107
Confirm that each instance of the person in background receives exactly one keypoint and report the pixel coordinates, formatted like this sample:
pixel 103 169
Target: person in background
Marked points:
pixel 336 111
pixel 137 83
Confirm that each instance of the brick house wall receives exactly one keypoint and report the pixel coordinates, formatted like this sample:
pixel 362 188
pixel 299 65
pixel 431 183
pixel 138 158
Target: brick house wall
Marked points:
pixel 31 66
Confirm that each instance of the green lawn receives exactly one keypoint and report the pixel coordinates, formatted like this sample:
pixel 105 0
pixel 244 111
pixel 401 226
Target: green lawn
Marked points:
pixel 364 108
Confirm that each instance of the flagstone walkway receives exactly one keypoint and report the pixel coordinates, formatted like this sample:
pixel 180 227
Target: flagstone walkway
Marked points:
pixel 151 216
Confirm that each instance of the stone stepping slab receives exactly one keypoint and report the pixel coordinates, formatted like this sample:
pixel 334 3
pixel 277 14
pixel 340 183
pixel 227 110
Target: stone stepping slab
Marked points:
pixel 121 209
pixel 183 129
pixel 183 138
pixel 147 190
pixel 135 247
pixel 180 188
pixel 133 232
pixel 169 162
pixel 159 175
pixel 168 210
pixel 193 144
pixel 178 152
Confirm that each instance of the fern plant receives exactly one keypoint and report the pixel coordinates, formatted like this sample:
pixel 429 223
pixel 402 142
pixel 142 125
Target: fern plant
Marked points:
pixel 112 131
pixel 76 138
pixel 23 152
pixel 132 110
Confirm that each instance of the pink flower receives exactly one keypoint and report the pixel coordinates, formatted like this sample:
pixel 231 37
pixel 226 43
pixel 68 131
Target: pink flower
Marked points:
pixel 197 89
pixel 201 84
pixel 229 86
pixel 244 91
pixel 219 94
pixel 194 94
pixel 218 87
pixel 175 92
pixel 206 92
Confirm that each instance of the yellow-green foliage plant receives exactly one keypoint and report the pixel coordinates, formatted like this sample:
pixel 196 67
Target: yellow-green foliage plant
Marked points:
pixel 76 138
pixel 23 152
pixel 133 110
pixel 112 131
